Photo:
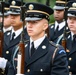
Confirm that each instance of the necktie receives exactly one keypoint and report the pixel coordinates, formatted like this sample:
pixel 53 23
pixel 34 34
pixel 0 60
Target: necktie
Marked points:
pixel 32 49
pixel 55 33
pixel 57 29
pixel 74 41
pixel 13 35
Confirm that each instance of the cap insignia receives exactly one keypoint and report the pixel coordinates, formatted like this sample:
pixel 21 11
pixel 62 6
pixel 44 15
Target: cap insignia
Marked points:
pixel 31 6
pixel 13 3
pixel 74 4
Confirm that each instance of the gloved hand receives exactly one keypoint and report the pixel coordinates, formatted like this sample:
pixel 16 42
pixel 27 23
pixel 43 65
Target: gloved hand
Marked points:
pixel 3 62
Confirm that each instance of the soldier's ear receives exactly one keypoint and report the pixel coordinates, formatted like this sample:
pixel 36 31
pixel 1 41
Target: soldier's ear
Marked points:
pixel 45 26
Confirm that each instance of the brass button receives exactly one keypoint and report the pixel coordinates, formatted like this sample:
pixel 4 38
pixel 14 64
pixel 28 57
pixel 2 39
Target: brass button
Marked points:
pixel 69 67
pixel 7 52
pixel 67 50
pixel 28 70
pixel 41 70
pixel 70 73
pixel 70 58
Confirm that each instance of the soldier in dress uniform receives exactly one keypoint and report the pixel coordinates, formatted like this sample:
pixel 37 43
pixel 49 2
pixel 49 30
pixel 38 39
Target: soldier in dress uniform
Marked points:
pixel 7 20
pixel 42 57
pixel 17 28
pixel 57 28
pixel 12 38
pixel 70 38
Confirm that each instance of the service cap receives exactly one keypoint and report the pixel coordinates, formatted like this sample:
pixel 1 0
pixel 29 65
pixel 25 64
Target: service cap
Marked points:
pixel 72 10
pixel 36 11
pixel 59 5
pixel 15 7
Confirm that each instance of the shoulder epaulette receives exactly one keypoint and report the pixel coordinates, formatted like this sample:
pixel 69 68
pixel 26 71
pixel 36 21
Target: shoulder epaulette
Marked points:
pixel 8 31
pixel 26 41
pixel 68 32
pixel 55 45
pixel 51 24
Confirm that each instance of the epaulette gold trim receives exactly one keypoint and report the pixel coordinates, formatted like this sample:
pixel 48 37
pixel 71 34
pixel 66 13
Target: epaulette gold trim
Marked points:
pixel 72 8
pixel 51 23
pixel 68 32
pixel 14 6
pixel 26 41
pixel 38 11
pixel 6 8
pixel 60 2
pixel 55 45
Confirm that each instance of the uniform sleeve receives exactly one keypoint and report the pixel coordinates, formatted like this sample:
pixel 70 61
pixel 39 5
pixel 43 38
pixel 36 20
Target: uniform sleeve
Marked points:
pixel 60 63
pixel 9 69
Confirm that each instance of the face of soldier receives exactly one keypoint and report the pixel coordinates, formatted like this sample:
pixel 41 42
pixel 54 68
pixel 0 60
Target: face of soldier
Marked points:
pixel 59 15
pixel 36 29
pixel 15 22
pixel 72 24
pixel 7 21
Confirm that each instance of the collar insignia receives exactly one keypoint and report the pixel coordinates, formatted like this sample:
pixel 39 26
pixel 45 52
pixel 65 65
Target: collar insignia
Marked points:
pixel 43 47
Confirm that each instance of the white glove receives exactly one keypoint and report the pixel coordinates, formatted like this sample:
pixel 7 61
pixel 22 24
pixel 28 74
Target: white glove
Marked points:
pixel 3 62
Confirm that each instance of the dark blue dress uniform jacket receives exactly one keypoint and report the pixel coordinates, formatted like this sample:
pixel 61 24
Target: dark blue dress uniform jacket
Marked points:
pixel 54 37
pixel 42 61
pixel 9 45
pixel 71 55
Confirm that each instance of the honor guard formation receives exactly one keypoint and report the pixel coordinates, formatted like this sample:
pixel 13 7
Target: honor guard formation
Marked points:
pixel 31 45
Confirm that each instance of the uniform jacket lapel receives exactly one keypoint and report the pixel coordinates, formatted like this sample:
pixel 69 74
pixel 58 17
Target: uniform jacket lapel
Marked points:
pixel 15 41
pixel 51 30
pixel 58 34
pixel 7 36
pixel 42 50
pixel 69 46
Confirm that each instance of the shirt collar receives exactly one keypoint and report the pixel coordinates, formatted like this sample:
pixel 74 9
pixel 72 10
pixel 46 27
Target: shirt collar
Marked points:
pixel 37 42
pixel 61 25
pixel 7 29
pixel 17 32
pixel 72 35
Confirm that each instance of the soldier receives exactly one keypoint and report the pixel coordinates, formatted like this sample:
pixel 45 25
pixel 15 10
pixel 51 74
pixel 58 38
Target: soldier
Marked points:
pixel 12 38
pixel 57 28
pixel 42 57
pixel 71 39
pixel 35 63
pixel 17 28
pixel 7 20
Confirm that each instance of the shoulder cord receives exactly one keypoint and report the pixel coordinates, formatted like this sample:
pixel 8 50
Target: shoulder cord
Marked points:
pixel 54 55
